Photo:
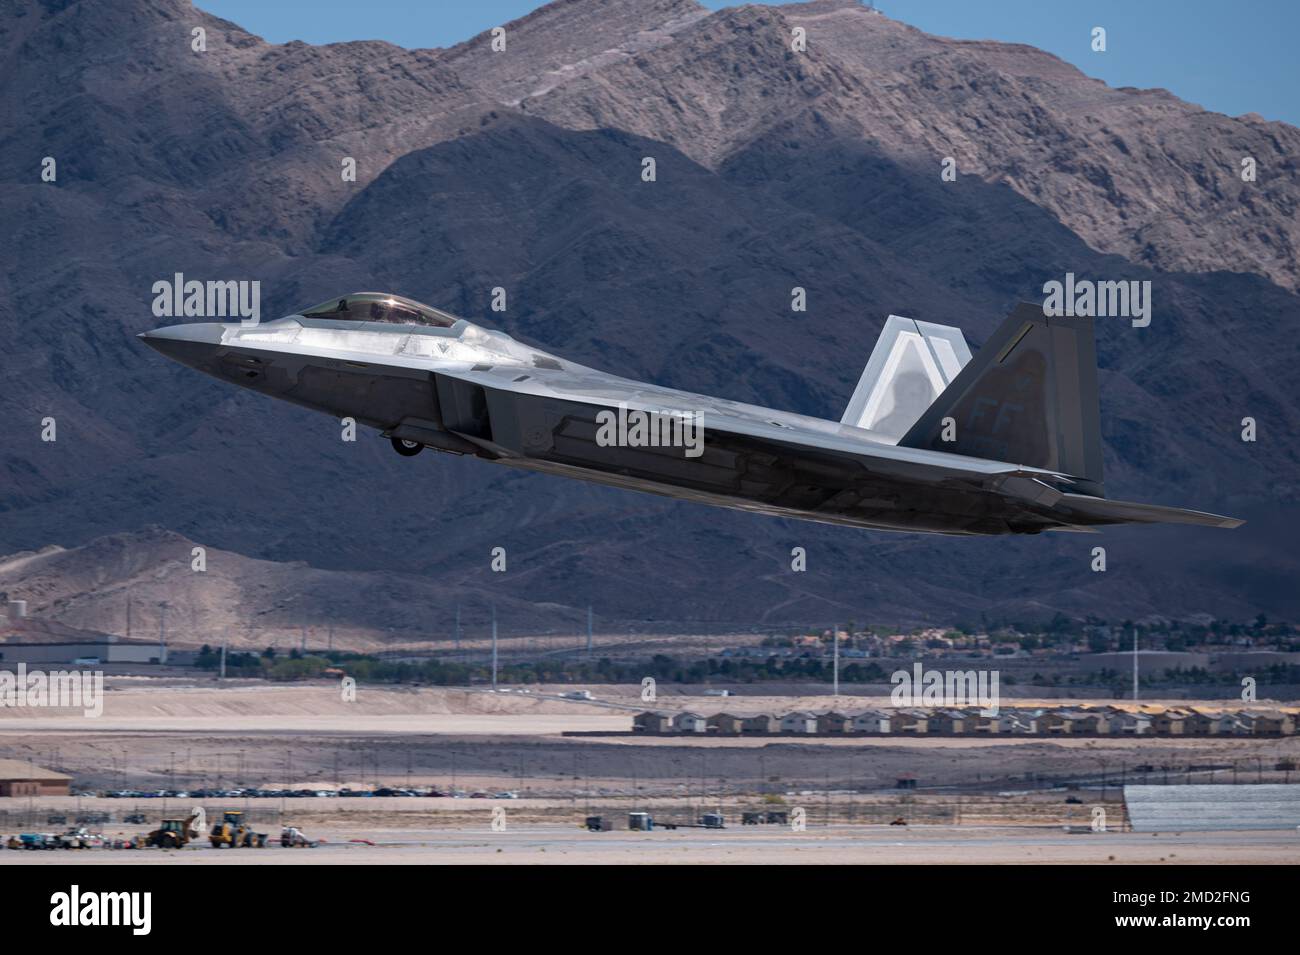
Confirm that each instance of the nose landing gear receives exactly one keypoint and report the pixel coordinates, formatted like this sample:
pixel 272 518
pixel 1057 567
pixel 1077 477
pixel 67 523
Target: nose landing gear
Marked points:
pixel 407 449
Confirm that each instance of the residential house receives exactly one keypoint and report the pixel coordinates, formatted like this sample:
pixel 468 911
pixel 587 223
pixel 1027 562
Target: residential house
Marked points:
pixel 1171 723
pixel 689 722
pixel 1200 723
pixel 1274 723
pixel 652 721
pixel 1238 724
pixel 1007 721
pixel 949 722
pixel 1055 723
pixel 1206 723
pixel 1066 722
pixel 800 722
pixel 759 724
pixel 1126 723
pixel 869 721
pixel 1020 721
pixel 1093 722
pixel 909 721
pixel 832 721
pixel 1244 723
pixel 725 724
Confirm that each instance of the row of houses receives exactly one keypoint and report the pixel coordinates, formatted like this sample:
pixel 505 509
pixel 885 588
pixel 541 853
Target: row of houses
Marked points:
pixel 1103 721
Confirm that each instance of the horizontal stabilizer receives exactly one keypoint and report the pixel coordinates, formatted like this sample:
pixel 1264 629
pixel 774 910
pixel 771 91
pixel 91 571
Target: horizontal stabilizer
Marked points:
pixel 911 365
pixel 1101 511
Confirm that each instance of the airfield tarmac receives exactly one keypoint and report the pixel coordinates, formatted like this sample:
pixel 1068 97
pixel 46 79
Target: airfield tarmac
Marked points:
pixel 767 845
pixel 188 734
pixel 983 800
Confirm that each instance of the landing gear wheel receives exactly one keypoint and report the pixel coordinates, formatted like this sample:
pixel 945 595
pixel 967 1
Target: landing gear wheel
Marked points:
pixel 407 449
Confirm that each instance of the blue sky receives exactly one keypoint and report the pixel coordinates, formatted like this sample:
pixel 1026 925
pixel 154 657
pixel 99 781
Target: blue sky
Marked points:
pixel 1235 57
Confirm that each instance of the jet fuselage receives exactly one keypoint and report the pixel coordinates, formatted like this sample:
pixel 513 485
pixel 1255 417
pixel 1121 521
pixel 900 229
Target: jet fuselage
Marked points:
pixel 435 380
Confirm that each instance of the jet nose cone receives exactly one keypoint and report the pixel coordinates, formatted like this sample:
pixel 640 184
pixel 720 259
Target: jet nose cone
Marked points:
pixel 187 344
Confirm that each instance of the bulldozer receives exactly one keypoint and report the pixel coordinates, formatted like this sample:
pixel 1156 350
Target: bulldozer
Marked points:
pixel 234 832
pixel 173 833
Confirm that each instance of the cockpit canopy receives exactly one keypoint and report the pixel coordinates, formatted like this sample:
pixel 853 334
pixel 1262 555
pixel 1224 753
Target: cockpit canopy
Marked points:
pixel 380 307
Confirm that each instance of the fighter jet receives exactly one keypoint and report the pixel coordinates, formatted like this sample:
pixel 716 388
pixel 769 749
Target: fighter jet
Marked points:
pixel 932 440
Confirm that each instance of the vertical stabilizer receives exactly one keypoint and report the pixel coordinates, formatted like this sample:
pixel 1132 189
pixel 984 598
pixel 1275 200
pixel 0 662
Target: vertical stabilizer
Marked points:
pixel 1029 397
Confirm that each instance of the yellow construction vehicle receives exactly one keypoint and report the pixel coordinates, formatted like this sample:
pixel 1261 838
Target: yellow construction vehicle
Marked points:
pixel 234 832
pixel 173 833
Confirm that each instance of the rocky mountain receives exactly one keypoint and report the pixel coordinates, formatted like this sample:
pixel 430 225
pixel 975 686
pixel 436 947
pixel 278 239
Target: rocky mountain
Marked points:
pixel 1135 172
pixel 146 584
pixel 522 169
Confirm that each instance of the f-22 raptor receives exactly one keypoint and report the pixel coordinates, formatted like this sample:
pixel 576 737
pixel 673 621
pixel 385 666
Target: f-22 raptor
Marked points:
pixel 933 440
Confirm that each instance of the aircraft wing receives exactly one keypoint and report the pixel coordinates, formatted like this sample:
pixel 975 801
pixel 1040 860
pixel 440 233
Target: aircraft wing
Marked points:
pixel 600 390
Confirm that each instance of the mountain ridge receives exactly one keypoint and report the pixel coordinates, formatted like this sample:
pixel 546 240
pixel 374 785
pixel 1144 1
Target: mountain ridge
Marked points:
pixel 773 172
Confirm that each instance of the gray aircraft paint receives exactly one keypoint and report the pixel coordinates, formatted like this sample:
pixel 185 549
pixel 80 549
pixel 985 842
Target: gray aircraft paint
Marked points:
pixel 435 380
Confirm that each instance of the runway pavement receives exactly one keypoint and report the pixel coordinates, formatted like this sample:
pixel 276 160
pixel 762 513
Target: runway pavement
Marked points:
pixel 765 845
